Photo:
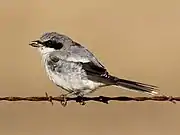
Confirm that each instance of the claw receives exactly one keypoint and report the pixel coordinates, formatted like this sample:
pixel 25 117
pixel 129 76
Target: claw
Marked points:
pixel 64 100
pixel 80 100
pixel 82 103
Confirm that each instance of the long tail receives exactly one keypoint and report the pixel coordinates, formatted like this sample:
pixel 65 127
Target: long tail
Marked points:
pixel 135 86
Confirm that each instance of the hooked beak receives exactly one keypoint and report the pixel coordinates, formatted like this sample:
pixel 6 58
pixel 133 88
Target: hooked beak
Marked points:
pixel 36 43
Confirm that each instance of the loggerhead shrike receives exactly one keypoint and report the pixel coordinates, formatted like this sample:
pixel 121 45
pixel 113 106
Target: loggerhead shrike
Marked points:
pixel 75 69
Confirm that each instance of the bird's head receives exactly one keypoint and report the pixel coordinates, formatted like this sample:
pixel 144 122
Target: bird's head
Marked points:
pixel 51 41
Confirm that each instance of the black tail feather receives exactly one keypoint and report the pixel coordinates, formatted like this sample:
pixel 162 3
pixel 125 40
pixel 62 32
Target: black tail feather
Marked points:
pixel 136 86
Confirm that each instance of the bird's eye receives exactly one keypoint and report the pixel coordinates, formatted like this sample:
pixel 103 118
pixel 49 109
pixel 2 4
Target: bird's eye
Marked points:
pixel 53 44
pixel 49 42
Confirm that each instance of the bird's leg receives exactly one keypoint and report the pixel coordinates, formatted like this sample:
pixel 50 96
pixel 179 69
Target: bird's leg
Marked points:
pixel 80 99
pixel 82 102
pixel 64 98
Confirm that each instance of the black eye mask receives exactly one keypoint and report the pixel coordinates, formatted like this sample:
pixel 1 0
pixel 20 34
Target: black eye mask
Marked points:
pixel 53 44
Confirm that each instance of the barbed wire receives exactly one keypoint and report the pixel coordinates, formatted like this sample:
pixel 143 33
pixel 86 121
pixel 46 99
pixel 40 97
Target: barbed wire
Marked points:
pixel 103 99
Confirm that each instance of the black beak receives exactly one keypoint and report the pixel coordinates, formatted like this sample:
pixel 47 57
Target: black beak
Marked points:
pixel 36 43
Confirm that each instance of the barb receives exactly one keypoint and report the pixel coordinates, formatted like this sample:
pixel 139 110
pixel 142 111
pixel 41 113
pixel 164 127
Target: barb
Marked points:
pixel 82 100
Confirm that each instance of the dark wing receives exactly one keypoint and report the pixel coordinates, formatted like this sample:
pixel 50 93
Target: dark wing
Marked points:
pixel 93 69
pixel 97 74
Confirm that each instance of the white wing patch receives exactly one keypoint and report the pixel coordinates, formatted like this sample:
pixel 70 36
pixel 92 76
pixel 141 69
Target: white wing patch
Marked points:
pixel 78 59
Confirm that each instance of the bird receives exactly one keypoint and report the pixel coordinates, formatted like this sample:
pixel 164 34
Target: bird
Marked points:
pixel 72 67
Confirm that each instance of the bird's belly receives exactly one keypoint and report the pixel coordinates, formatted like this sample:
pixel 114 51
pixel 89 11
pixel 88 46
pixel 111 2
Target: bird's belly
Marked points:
pixel 73 82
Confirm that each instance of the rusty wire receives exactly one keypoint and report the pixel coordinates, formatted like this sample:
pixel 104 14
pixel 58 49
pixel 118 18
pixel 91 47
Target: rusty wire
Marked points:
pixel 82 100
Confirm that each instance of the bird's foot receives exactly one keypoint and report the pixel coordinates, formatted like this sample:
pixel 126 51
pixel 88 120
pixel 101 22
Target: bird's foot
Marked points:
pixel 80 100
pixel 63 100
pixel 82 103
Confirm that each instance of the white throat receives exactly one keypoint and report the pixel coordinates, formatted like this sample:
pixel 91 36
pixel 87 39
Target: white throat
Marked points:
pixel 45 50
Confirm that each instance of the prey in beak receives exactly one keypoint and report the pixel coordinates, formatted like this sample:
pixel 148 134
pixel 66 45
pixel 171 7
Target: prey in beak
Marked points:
pixel 36 43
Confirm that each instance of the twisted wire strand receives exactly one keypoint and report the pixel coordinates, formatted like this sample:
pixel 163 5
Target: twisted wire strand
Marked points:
pixel 82 100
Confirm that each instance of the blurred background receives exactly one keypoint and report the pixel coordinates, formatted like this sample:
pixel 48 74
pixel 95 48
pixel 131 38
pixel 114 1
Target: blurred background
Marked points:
pixel 137 40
